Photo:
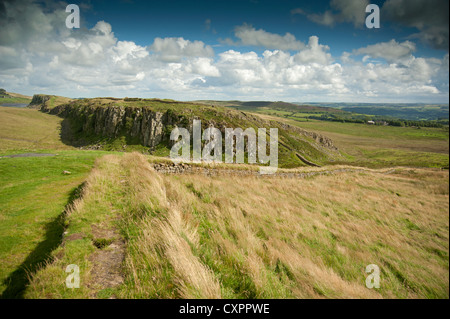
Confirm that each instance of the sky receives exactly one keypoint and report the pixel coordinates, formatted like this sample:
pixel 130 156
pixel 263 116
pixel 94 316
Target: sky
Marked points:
pixel 297 51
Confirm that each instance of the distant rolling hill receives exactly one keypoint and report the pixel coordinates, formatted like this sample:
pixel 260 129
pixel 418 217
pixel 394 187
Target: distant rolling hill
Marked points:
pixel 416 113
pixel 270 105
pixel 9 99
pixel 406 111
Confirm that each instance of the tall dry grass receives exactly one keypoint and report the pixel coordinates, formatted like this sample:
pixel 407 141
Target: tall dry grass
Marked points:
pixel 252 237
pixel 194 236
pixel 161 262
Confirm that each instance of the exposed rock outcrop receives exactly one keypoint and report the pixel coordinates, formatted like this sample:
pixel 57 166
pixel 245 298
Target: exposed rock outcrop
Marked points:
pixel 39 100
pixel 150 125
pixel 143 124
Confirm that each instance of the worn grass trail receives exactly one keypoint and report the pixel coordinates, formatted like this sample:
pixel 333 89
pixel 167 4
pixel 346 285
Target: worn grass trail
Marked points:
pixel 33 194
pixel 196 236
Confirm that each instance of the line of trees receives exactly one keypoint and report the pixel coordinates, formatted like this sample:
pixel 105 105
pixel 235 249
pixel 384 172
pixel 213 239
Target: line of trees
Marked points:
pixel 379 120
pixel 429 123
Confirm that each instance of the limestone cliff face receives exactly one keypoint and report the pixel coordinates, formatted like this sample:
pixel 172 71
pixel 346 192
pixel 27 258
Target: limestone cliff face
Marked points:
pixel 145 125
pixel 39 100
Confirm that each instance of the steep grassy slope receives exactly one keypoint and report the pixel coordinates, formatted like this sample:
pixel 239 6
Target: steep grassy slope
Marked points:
pixel 23 129
pixel 193 236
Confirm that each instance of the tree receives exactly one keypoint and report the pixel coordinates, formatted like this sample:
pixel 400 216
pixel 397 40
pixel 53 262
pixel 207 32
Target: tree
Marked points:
pixel 3 92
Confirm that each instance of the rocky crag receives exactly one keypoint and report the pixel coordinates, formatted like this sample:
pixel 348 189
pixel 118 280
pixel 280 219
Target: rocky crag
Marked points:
pixel 39 100
pixel 150 126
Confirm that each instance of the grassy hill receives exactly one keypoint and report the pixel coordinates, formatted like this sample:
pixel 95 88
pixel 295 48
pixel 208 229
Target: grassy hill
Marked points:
pixel 221 231
pixel 297 147
pixel 423 115
pixel 18 95
pixel 23 129
pixel 48 101
pixel 14 98
pixel 358 144
pixel 194 236
pixel 275 108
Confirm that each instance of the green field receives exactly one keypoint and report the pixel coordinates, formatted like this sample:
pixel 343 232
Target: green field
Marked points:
pixel 33 194
pixel 409 111
pixel 18 100
pixel 382 146
pixel 378 146
pixel 423 115
pixel 13 98
pixel 24 129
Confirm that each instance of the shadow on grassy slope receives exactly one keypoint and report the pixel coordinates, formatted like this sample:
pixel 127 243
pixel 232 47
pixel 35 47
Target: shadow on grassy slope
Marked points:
pixel 72 134
pixel 68 136
pixel 18 280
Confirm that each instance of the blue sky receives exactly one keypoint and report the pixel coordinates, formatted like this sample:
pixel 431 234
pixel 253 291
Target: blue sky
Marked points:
pixel 248 49
pixel 142 21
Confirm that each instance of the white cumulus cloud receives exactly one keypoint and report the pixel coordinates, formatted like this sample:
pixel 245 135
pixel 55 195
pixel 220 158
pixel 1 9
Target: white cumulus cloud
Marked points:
pixel 391 51
pixel 351 11
pixel 249 36
pixel 38 54
pixel 173 49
